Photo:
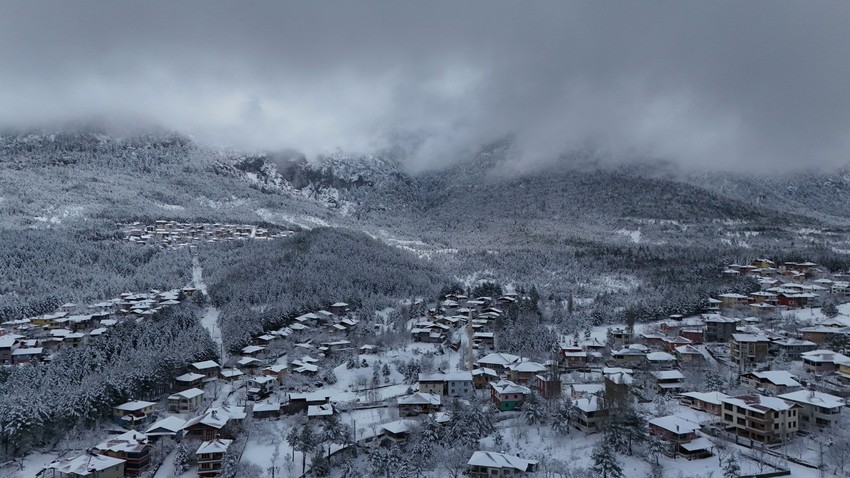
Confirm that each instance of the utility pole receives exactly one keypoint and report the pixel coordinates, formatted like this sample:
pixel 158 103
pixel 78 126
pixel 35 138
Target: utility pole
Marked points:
pixel 469 342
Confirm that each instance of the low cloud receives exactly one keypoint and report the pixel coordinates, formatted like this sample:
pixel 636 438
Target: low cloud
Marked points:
pixel 721 85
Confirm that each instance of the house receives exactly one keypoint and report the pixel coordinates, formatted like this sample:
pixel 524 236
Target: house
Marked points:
pixel 548 385
pixel 482 377
pixel 774 381
pixel 792 348
pixel 749 349
pixel 253 350
pixel 489 464
pixel 486 338
pixel 212 423
pixel 301 400
pixel 230 374
pixel 396 431
pixel 186 400
pixel 660 360
pixel 266 410
pixel 705 401
pixel 572 357
pixel 189 380
pixel 498 361
pixel 26 355
pixel 133 414
pixel 260 387
pixel 689 356
pixel 248 364
pixel 418 403
pixel 617 384
pixel 817 409
pixel 132 447
pixel 668 380
pixel 823 361
pixel 452 384
pixel 211 456
pixel 732 300
pixel 630 356
pixel 8 343
pixel 171 427
pixel 619 337
pixel 524 371
pixel 757 417
pixel 86 465
pixel 681 437
pixel 583 390
pixel 822 334
pixel 320 411
pixel 507 395
pixel 719 328
pixel 276 371
pixel 339 308
pixel 207 368
pixel 589 414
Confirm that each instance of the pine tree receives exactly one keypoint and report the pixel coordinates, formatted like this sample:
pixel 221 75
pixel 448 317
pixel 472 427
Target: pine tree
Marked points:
pixel 605 462
pixel 562 417
pixel 731 469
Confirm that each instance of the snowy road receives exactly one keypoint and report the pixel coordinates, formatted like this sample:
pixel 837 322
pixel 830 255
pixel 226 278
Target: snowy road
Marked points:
pixel 210 317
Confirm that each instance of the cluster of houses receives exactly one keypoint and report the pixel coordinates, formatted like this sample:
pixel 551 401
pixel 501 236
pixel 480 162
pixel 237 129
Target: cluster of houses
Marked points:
pixel 791 285
pixel 35 339
pixel 173 234
pixel 458 310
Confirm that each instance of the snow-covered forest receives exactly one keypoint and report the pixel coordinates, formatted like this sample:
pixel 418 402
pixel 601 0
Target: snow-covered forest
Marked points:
pixel 260 285
pixel 44 269
pixel 79 387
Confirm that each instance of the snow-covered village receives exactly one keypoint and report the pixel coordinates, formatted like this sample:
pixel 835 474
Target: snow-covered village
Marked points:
pixel 431 239
pixel 753 386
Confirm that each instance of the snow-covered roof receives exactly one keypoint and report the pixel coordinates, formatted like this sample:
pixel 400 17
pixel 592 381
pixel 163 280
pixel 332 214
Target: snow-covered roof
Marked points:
pixel 187 394
pixel 660 357
pixel 811 397
pixel 266 407
pixel 587 388
pixel 491 459
pixel 85 465
pixel 778 377
pixel 218 417
pixel 397 427
pixel 250 349
pixel 277 368
pixel 207 364
pixel 243 361
pixel 668 375
pixel 498 359
pixel 420 398
pixel 190 377
pixel 758 403
pixel 697 444
pixel 675 424
pixel 446 377
pixel 323 410
pixel 714 398
pixel 527 367
pixel 219 445
pixel 749 338
pixel 168 425
pixel 506 386
pixel 129 442
pixel 231 372
pixel 134 406
pixel 588 404
pixel 28 351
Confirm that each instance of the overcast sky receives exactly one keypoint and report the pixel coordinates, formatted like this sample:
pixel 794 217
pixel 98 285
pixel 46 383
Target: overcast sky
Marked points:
pixel 716 84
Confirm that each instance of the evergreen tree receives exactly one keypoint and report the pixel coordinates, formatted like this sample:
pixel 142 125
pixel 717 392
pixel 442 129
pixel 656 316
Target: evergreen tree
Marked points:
pixel 605 462
pixel 731 468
